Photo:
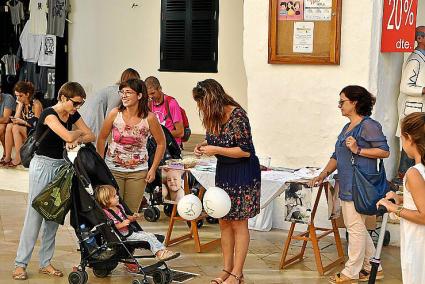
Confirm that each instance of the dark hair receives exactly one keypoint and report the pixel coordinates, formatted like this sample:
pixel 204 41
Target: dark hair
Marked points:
pixel 365 100
pixel 152 82
pixel 139 87
pixel 71 90
pixel 414 126
pixel 419 32
pixel 211 99
pixel 25 88
pixel 128 74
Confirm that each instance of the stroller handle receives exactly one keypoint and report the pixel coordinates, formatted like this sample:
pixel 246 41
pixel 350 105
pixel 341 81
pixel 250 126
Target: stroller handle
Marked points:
pixel 382 209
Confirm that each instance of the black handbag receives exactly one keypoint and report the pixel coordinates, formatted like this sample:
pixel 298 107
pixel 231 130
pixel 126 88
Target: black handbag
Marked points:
pixel 54 202
pixel 29 147
pixel 368 188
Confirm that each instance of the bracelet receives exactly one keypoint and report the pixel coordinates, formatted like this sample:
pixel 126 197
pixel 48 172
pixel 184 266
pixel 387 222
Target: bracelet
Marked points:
pixel 358 150
pixel 398 211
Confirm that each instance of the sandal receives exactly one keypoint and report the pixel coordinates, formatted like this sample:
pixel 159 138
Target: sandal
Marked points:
pixel 341 278
pixel 166 255
pixel 51 271
pixel 238 278
pixel 219 280
pixel 20 275
pixel 10 164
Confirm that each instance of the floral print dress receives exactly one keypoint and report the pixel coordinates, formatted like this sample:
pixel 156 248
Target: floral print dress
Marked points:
pixel 239 177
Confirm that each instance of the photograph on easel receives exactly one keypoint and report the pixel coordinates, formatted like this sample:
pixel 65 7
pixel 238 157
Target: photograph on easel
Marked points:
pixel 298 202
pixel 172 184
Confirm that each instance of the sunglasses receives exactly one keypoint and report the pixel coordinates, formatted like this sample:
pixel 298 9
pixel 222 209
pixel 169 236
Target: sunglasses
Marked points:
pixel 341 102
pixel 76 104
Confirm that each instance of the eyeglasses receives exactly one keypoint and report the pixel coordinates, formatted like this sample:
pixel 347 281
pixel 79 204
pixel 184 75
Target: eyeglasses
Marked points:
pixel 341 102
pixel 126 94
pixel 76 104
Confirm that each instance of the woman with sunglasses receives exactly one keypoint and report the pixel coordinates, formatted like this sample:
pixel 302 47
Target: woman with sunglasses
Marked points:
pixel 130 125
pixel 58 122
pixel 28 111
pixel 363 139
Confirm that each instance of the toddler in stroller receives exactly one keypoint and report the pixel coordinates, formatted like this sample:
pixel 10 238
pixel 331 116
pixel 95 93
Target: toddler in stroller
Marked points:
pixel 108 198
pixel 102 245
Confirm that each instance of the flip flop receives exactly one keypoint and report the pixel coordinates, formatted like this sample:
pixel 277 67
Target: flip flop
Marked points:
pixel 53 272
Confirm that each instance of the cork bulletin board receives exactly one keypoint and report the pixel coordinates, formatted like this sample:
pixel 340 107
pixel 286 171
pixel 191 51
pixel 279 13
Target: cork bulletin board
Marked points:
pixel 304 31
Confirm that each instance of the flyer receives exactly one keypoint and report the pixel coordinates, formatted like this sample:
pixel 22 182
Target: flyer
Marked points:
pixel 303 37
pixel 290 10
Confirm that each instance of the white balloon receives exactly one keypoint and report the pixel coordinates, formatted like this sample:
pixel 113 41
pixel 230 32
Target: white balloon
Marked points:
pixel 216 202
pixel 189 207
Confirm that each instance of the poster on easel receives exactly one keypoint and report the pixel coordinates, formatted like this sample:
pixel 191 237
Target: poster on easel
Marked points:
pixel 290 10
pixel 172 184
pixel 298 203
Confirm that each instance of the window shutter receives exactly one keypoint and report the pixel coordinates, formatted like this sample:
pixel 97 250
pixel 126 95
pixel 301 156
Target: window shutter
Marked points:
pixel 189 35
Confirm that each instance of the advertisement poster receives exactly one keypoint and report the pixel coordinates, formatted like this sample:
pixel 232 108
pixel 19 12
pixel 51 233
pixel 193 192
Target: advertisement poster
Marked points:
pixel 317 10
pixel 303 37
pixel 289 10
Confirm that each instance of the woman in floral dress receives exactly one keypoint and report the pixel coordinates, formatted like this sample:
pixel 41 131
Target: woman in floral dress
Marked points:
pixel 130 125
pixel 238 171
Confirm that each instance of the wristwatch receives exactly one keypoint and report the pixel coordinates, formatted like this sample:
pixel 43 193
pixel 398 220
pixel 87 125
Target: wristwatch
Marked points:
pixel 398 211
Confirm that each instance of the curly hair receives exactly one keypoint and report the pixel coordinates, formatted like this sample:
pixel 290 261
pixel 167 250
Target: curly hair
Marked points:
pixel 211 99
pixel 365 100
pixel 139 87
pixel 414 126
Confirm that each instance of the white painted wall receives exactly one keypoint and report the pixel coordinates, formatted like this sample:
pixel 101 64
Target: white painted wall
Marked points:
pixel 108 36
pixel 293 108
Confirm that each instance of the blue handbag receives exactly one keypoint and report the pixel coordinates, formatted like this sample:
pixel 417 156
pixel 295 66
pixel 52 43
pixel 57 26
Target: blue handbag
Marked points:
pixel 368 188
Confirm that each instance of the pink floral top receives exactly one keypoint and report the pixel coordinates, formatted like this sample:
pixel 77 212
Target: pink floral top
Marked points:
pixel 127 151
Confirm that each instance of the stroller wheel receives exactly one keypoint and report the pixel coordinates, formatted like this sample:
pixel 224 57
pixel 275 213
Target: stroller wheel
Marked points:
pixel 151 214
pixel 137 281
pixel 159 277
pixel 101 273
pixel 168 209
pixel 158 213
pixel 212 220
pixel 199 223
pixel 78 277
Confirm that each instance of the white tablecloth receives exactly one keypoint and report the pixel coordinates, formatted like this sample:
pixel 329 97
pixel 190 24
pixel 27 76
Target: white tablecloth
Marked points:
pixel 273 184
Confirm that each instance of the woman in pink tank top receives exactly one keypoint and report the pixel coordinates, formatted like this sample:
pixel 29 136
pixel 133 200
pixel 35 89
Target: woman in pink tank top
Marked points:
pixel 130 125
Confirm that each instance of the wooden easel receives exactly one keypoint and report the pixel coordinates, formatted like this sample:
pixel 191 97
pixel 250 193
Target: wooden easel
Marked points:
pixel 311 236
pixel 193 232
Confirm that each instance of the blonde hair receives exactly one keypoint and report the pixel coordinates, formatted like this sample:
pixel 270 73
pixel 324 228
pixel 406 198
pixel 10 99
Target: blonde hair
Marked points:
pixel 104 193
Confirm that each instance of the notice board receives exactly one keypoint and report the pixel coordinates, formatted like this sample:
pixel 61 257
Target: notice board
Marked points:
pixel 304 31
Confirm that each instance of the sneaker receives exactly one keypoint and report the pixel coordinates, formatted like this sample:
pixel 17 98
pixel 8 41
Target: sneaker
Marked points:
pixel 364 275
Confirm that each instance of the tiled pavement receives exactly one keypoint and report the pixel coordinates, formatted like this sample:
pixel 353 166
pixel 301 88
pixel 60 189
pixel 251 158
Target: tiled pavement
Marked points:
pixel 261 264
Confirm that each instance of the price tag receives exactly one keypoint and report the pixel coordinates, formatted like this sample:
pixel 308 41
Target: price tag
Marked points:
pixel 398 25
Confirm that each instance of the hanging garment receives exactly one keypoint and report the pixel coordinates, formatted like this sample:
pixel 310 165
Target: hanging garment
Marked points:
pixel 48 51
pixel 10 62
pixel 31 44
pixel 38 20
pixel 58 11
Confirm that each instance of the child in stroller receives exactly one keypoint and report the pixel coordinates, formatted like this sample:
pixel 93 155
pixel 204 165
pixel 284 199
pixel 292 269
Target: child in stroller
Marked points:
pixel 103 246
pixel 108 198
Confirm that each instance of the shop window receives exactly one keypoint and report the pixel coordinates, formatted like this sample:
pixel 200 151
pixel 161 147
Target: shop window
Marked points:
pixel 189 35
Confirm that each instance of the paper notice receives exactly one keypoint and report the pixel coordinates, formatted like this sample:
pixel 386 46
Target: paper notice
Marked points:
pixel 303 37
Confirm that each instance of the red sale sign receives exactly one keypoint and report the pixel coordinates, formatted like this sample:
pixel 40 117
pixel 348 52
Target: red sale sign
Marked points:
pixel 398 25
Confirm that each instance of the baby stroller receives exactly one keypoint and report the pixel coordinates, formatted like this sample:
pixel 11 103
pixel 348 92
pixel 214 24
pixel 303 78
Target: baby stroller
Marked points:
pixel 102 247
pixel 154 189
